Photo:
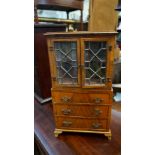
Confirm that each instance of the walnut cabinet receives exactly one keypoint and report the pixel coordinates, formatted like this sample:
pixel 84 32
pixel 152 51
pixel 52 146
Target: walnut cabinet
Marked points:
pixel 81 71
pixel 42 81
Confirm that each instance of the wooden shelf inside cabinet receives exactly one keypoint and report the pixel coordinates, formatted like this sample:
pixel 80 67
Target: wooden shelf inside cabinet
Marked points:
pixel 59 5
pixel 81 68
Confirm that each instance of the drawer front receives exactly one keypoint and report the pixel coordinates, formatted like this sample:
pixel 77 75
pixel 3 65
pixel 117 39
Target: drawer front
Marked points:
pixel 99 111
pixel 97 98
pixel 81 123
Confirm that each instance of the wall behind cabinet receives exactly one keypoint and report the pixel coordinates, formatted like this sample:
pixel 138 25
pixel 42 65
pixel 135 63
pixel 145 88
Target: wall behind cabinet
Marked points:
pixel 103 16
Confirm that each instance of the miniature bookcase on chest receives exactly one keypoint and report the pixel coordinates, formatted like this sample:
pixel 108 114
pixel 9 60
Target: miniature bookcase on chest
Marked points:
pixel 81 70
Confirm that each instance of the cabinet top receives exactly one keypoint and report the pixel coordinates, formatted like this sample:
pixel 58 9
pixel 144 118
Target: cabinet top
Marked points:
pixel 77 33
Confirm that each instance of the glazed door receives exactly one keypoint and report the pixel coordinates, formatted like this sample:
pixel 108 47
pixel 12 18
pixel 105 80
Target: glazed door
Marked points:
pixel 95 62
pixel 65 59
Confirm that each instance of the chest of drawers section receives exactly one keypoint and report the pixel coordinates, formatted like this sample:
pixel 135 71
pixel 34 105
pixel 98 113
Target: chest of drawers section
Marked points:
pixel 83 112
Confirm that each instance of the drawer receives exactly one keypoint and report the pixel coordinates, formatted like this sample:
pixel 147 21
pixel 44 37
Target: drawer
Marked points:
pixel 83 110
pixel 65 97
pixel 81 123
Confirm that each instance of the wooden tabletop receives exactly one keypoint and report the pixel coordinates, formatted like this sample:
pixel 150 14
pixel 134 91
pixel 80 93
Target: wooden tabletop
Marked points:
pixel 74 143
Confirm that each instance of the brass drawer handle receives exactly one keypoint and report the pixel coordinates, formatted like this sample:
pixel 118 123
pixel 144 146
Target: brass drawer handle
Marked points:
pixel 66 99
pixel 66 111
pixel 96 125
pixel 97 112
pixel 98 100
pixel 66 123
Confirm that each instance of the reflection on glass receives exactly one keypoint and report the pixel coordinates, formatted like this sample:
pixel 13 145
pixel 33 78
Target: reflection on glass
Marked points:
pixel 66 62
pixel 95 62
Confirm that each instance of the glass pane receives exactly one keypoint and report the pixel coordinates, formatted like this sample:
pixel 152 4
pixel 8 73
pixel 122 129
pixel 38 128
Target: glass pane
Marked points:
pixel 66 62
pixel 95 62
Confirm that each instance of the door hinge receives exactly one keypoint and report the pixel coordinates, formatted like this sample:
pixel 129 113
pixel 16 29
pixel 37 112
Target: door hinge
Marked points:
pixel 51 48
pixel 54 78
pixel 109 47
pixel 108 79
